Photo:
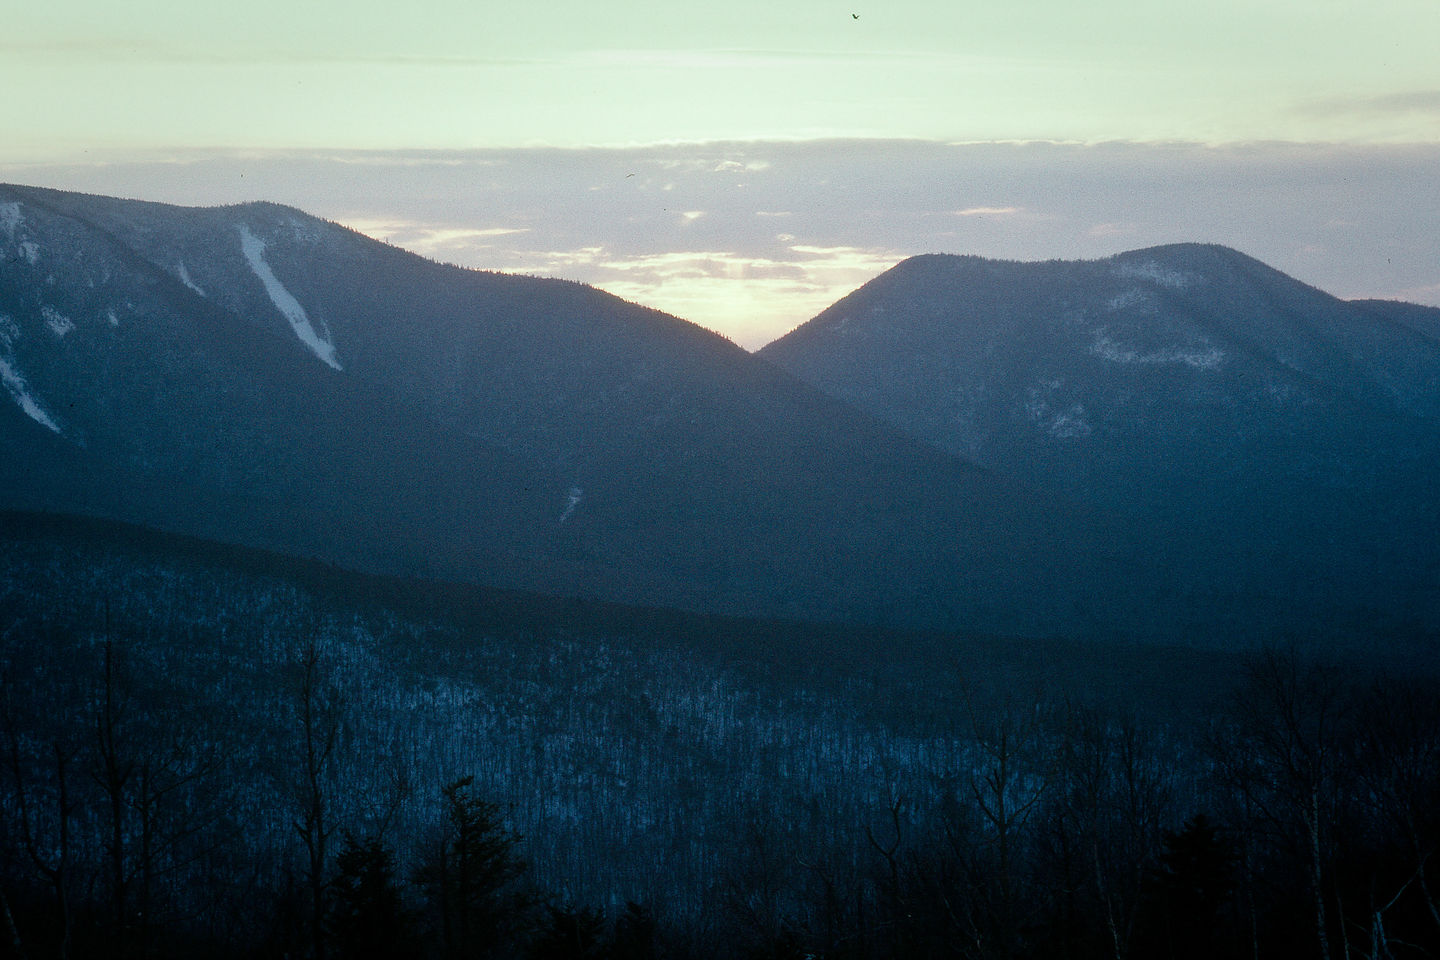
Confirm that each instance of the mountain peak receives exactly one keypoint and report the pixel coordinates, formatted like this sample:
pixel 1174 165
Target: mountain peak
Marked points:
pixel 1191 255
pixel 1223 404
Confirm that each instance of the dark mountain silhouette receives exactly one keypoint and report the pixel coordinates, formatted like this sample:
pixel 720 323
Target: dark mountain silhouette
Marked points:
pixel 1278 443
pixel 1178 442
pixel 257 376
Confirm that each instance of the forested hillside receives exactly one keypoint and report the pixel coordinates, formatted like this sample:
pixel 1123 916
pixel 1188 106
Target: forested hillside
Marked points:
pixel 201 756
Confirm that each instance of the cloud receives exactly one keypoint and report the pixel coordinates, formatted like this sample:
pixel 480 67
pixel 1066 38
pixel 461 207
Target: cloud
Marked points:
pixel 1112 230
pixel 986 211
pixel 1391 104
pixel 435 241
pixel 565 264
pixel 749 297
pixel 736 166
pixel 1428 294
pixel 752 300
pixel 429 234
pixel 684 263
pixel 175 48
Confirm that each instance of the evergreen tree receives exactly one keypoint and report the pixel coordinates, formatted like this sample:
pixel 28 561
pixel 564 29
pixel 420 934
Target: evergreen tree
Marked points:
pixel 368 918
pixel 571 934
pixel 471 877
pixel 635 933
pixel 1190 888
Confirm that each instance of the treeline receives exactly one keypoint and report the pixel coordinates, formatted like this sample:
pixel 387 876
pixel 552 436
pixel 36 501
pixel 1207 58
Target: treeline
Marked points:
pixel 195 762
pixel 1301 821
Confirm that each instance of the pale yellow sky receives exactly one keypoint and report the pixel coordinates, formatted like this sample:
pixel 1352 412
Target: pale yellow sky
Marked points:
pixel 92 75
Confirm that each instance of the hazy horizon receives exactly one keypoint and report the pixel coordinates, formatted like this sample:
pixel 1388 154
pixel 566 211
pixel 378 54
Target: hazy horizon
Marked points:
pixel 753 239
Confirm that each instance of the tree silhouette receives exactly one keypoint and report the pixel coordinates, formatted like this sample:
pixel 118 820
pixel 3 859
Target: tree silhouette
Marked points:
pixel 571 934
pixel 368 919
pixel 1191 885
pixel 635 933
pixel 470 876
pixel 319 718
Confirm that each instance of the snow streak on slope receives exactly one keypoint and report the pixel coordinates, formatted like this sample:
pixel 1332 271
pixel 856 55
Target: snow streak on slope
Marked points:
pixel 185 279
pixel 58 323
pixel 572 501
pixel 1201 358
pixel 1155 272
pixel 15 382
pixel 15 385
pixel 10 218
pixel 254 250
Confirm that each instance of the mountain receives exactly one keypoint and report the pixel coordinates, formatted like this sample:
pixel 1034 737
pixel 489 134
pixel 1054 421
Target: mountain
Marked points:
pixel 257 376
pixel 1278 443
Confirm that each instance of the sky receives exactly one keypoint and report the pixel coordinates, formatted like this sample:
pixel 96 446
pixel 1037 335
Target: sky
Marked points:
pixel 744 164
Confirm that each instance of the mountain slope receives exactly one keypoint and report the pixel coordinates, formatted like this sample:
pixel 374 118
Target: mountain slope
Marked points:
pixel 255 375
pixel 1264 432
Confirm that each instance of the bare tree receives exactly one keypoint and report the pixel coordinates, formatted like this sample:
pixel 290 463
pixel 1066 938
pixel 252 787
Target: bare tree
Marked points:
pixel 1284 753
pixel 50 855
pixel 1396 756
pixel 319 716
pixel 114 772
pixel 1113 795
pixel 1010 772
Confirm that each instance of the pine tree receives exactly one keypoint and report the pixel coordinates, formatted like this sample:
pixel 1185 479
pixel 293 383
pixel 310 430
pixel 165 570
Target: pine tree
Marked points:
pixel 1191 885
pixel 368 919
pixel 471 877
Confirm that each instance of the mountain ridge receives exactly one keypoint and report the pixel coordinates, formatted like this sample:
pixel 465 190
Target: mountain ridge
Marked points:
pixel 1133 446
pixel 529 433
pixel 1250 421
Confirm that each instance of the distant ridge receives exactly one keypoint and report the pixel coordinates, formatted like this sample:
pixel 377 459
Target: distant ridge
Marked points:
pixel 1261 430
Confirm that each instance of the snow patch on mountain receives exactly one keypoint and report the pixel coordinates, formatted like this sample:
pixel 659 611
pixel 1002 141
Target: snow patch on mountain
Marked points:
pixel 572 501
pixel 185 279
pixel 1129 298
pixel 254 249
pixel 58 323
pixel 1070 424
pixel 15 386
pixel 1155 272
pixel 11 219
pixel 14 381
pixel 1200 357
pixel 303 231
pixel 1062 421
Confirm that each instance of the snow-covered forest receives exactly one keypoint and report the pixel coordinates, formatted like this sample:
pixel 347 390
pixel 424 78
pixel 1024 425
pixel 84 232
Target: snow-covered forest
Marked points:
pixel 198 756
